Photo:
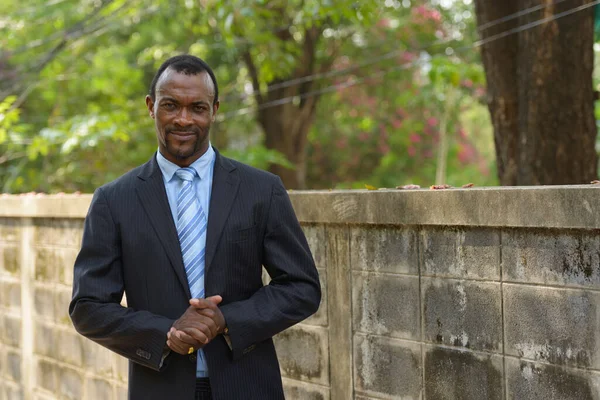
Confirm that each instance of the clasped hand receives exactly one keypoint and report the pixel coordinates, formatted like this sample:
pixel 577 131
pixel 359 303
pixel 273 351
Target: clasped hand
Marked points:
pixel 198 325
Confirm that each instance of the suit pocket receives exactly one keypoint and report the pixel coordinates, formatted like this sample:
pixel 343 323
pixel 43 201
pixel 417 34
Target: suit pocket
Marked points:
pixel 241 235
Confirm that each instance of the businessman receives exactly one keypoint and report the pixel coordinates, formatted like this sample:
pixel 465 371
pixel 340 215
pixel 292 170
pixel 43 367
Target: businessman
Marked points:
pixel 185 237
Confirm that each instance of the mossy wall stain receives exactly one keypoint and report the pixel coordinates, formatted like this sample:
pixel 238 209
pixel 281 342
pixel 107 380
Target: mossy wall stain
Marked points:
pixel 456 375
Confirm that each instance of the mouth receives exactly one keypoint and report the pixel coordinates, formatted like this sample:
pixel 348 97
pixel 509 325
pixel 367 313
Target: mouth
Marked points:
pixel 182 135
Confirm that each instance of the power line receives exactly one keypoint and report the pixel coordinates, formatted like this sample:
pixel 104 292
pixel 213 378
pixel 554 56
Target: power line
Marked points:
pixel 318 76
pixel 517 15
pixel 246 110
pixel 533 24
pixel 479 43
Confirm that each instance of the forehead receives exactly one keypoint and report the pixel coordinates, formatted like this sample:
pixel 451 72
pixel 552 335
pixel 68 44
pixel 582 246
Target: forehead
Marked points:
pixel 179 85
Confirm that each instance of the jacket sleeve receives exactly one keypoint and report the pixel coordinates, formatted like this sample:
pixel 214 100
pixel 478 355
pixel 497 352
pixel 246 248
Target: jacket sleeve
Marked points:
pixel 294 292
pixel 98 288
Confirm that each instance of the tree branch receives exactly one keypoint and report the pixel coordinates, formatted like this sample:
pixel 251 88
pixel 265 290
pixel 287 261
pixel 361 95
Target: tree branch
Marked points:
pixel 253 75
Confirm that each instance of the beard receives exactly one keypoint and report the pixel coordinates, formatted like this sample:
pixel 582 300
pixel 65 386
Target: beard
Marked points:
pixel 188 147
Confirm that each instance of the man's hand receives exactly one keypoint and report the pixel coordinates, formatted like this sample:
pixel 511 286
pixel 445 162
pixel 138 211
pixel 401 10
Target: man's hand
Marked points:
pixel 198 325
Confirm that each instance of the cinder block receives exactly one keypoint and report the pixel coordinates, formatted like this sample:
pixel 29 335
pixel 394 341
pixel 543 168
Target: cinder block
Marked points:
pixel 47 262
pixel 47 375
pixel 304 391
pixel 11 332
pixel 58 232
pixel 320 317
pixel 559 326
pixel 533 381
pixel 122 393
pixel 122 368
pixel 43 300
pixel 462 313
pixel 10 260
pixel 461 253
pixel 13 365
pixel 62 298
pixel 315 236
pixel 97 358
pixel 462 375
pixel 70 347
pixel 45 340
pixel 10 230
pixel 13 393
pixel 70 384
pixel 387 367
pixel 550 257
pixel 386 304
pixel 43 396
pixel 303 353
pixel 99 389
pixel 11 296
pixel 384 249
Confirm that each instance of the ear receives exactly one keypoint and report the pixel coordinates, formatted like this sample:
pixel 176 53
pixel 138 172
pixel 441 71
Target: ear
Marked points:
pixel 150 105
pixel 215 109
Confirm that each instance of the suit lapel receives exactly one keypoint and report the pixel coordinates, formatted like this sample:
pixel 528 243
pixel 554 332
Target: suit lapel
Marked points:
pixel 224 189
pixel 152 194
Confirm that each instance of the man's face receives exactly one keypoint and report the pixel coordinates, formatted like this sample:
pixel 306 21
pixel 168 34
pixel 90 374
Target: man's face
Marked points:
pixel 183 111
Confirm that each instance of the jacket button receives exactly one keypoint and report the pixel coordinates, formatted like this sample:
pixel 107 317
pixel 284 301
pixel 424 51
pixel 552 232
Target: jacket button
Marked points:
pixel 192 358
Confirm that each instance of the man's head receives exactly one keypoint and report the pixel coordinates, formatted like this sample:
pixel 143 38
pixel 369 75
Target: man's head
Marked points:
pixel 183 101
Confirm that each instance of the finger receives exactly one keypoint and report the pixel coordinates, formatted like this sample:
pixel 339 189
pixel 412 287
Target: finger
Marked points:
pixel 179 343
pixel 207 312
pixel 198 335
pixel 209 302
pixel 187 339
pixel 202 303
pixel 201 333
pixel 215 299
pixel 175 348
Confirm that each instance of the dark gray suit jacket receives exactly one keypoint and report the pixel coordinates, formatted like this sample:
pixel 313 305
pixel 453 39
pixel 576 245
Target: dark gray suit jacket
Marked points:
pixel 130 245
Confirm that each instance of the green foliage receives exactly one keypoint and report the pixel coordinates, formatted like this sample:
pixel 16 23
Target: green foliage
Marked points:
pixel 85 67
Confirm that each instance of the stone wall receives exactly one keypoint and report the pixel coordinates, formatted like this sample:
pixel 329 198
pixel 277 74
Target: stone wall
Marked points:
pixel 457 294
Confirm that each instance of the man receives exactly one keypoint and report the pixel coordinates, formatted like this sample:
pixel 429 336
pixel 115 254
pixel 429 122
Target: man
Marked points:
pixel 185 236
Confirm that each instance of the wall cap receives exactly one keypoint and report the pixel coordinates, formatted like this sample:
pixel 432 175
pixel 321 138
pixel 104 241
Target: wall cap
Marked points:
pixel 576 206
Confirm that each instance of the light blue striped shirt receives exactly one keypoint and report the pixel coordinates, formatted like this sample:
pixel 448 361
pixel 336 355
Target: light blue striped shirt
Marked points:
pixel 203 185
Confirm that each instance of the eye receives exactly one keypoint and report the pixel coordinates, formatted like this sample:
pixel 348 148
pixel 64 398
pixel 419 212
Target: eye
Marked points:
pixel 199 108
pixel 168 106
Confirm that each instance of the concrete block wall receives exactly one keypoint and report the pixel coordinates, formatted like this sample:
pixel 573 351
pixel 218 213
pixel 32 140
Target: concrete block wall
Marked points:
pixel 459 294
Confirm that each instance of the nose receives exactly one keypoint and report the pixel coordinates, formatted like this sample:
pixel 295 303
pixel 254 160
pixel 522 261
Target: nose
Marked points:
pixel 183 117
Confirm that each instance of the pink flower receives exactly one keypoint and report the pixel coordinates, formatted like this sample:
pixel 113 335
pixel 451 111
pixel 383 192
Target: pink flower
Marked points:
pixel 383 23
pixel 396 123
pixel 467 83
pixel 384 148
pixel 432 121
pixel 465 154
pixel 414 138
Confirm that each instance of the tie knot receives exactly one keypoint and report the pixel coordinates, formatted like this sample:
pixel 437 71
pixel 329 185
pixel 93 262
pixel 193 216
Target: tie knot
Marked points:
pixel 186 174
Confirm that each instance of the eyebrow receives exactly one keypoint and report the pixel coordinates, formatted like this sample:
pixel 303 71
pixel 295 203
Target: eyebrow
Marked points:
pixel 172 100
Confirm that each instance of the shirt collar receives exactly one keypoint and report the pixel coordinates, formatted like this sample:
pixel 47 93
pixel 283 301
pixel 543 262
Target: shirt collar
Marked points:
pixel 201 165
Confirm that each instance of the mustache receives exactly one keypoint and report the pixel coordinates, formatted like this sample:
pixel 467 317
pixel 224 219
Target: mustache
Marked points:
pixel 182 129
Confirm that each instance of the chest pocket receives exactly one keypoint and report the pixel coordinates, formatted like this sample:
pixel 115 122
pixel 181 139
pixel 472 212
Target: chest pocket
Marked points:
pixel 241 235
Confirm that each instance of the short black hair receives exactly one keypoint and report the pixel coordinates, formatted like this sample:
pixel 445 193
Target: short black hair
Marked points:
pixel 187 64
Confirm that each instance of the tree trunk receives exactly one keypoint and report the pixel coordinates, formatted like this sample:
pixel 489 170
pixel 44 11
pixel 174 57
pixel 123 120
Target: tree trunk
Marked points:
pixel 286 129
pixel 540 93
pixel 285 122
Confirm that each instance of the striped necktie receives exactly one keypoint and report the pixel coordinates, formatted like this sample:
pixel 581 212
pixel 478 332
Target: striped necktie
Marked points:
pixel 191 228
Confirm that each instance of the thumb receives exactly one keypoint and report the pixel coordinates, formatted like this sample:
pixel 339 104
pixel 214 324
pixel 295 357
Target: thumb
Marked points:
pixel 215 299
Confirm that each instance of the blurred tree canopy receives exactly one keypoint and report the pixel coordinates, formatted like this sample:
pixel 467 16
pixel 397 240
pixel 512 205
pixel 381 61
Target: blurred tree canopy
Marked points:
pixel 325 93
